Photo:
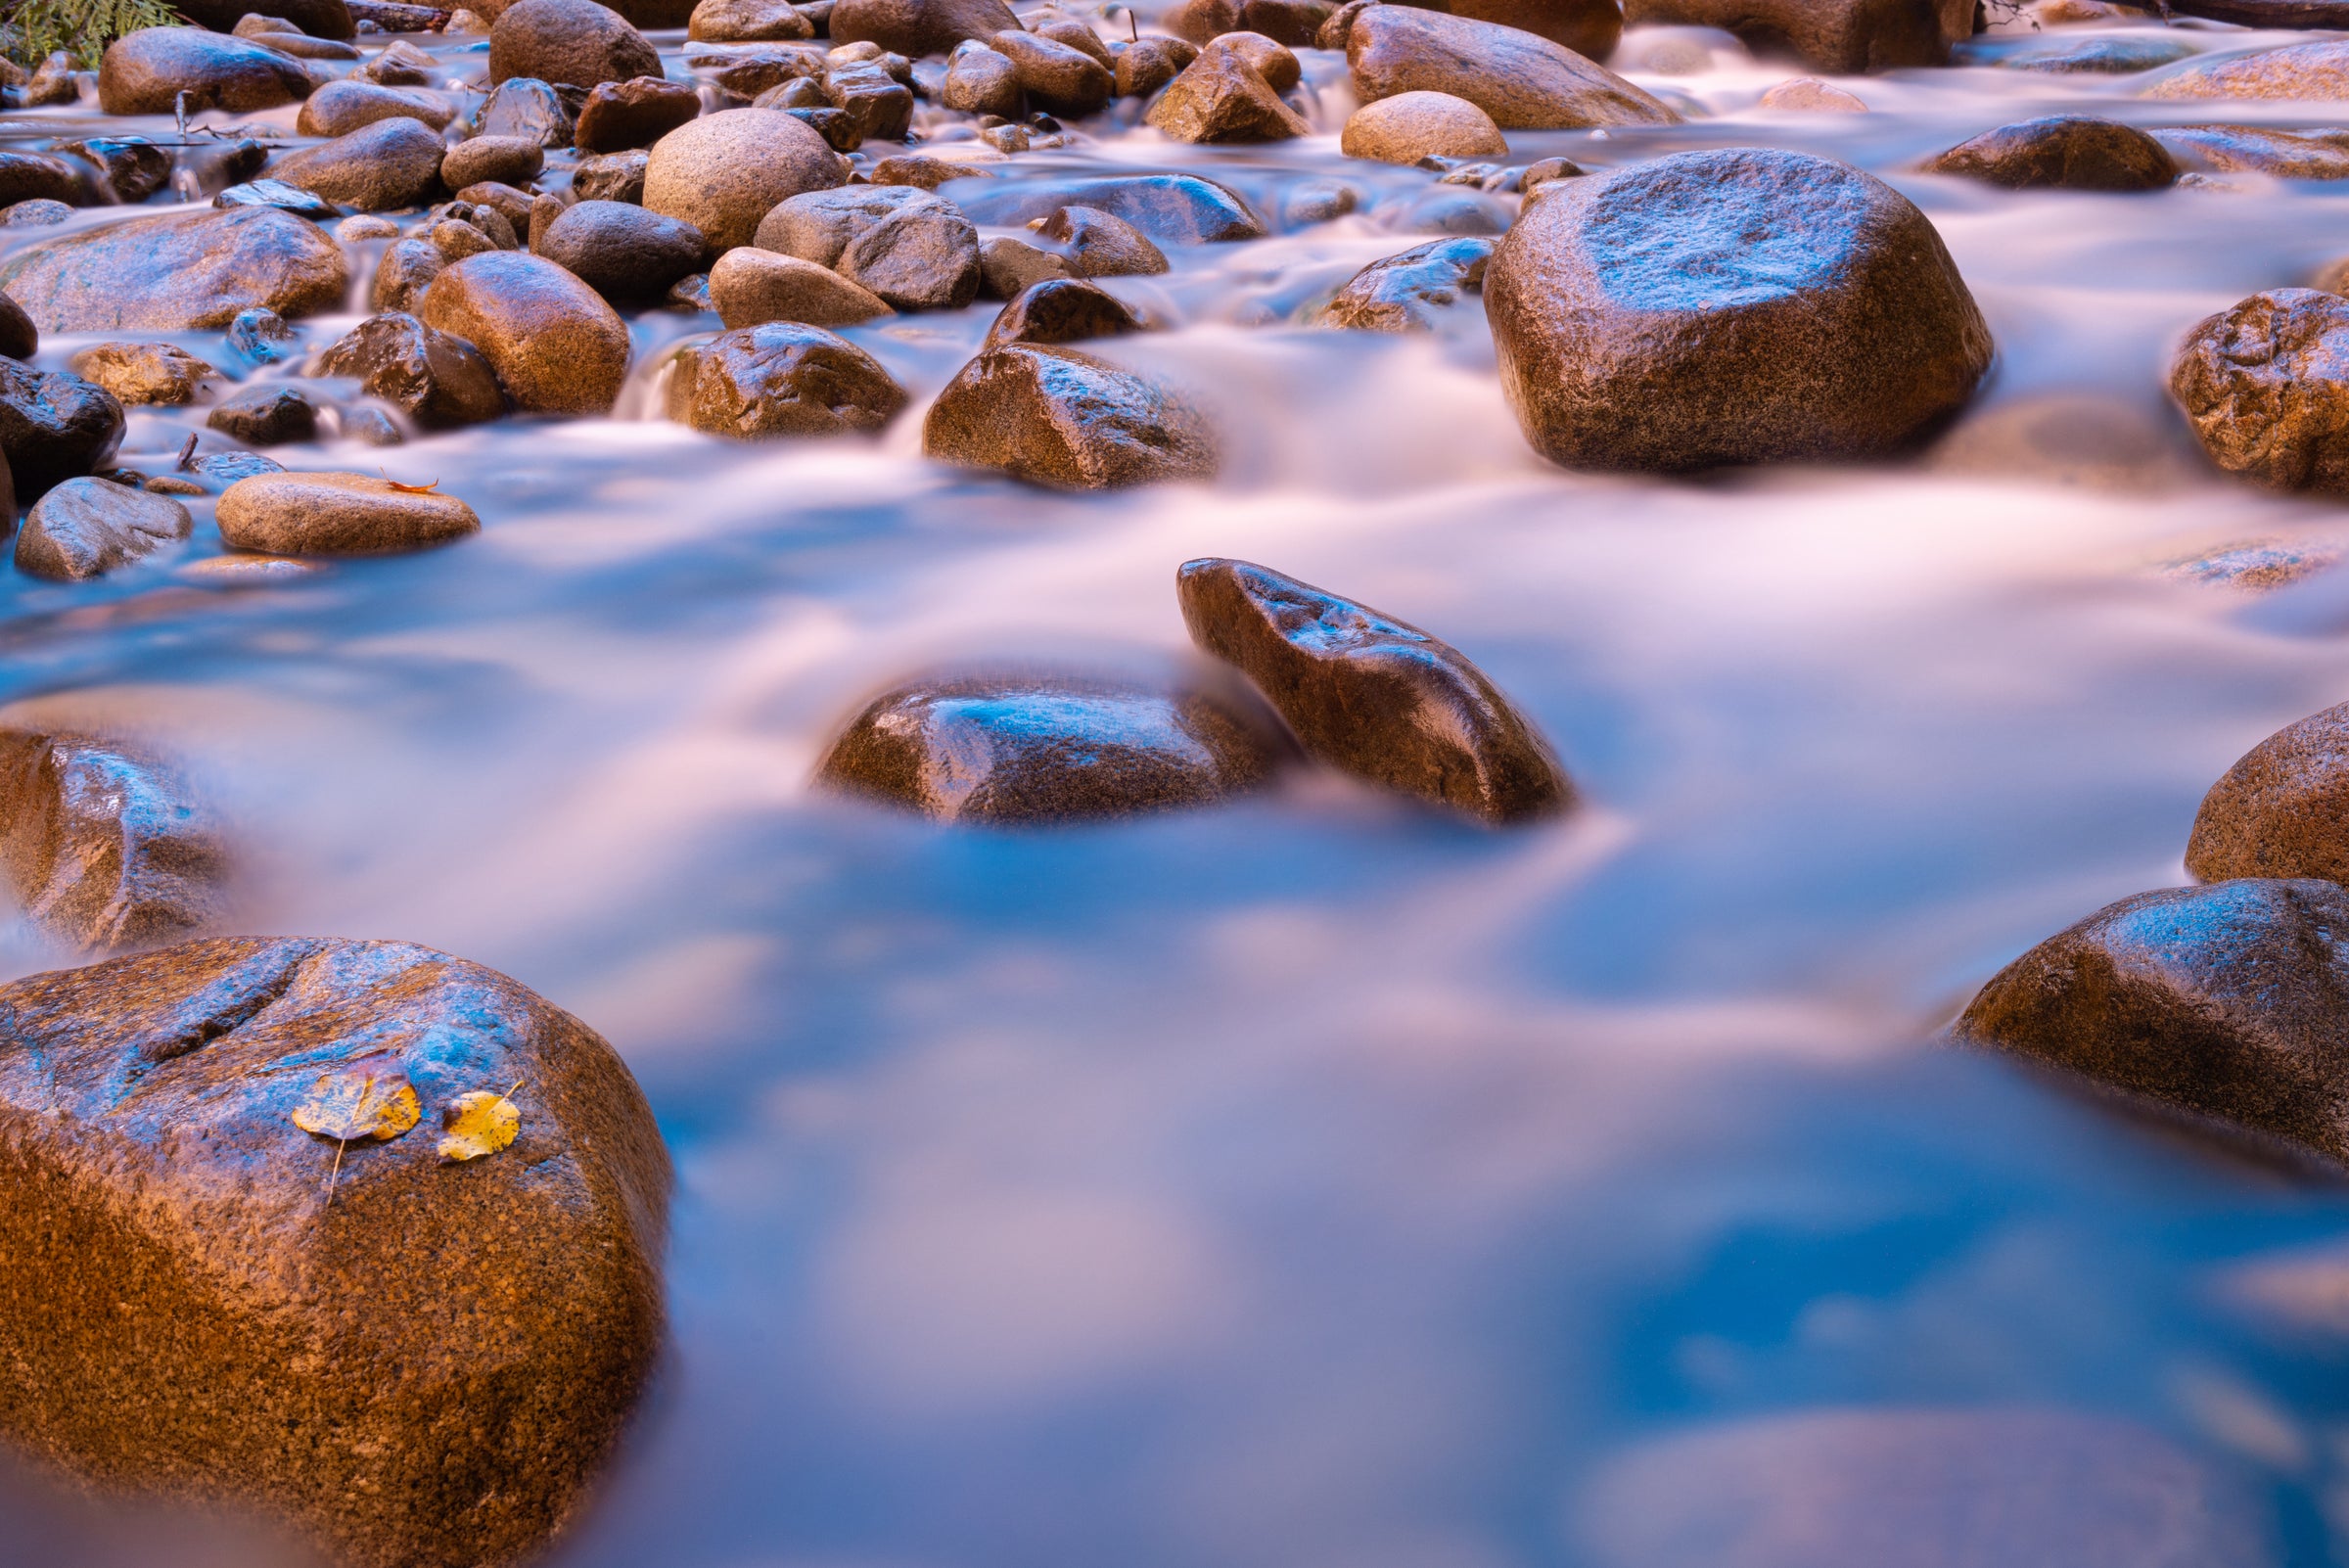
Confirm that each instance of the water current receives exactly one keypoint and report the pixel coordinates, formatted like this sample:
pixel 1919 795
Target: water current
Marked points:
pixel 1314 1181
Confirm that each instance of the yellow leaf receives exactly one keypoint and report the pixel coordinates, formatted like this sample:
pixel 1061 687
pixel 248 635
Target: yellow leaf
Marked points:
pixel 478 1124
pixel 369 1098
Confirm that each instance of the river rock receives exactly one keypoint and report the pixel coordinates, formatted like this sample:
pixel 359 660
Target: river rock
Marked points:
pixel 1060 310
pixel 407 269
pixel 917 27
pixel 1076 35
pixel 1807 95
pixel 189 271
pixel 400 64
pixel 2232 1000
pixel 1411 126
pixel 1100 245
pixel 1172 208
pixel 1590 27
pixel 782 377
pixel 558 349
pixel 175 1242
pixel 620 114
pixel 909 247
pixel 1149 64
pixel 1058 79
pixel 1017 748
pixel 40 177
pixel 611 177
pixel 2263 386
pixel 104 849
pixel 390 164
pixel 749 286
pixel 574 41
pixel 267 416
pixel 1374 697
pixel 440 381
pixel 144 73
pixel 2297 70
pixel 1057 417
pixel 1732 306
pixel 1006 266
pixel 342 107
pixel 724 172
pixel 19 339
pixel 1402 293
pixel 2073 152
pixel 747 22
pixel 512 161
pixel 981 81
pixel 527 108
pixel 2253 150
pixel 2282 810
pixel 53 428
pixel 315 20
pixel 1843 37
pixel 86 526
pixel 143 372
pixel 1223 97
pixel 624 251
pixel 1525 82
pixel 278 193
pixel 338 513
pixel 879 107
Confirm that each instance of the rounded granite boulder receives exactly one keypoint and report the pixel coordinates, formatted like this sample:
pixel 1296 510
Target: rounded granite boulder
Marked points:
pixel 2265 385
pixel 574 41
pixel 2282 810
pixel 558 349
pixel 724 172
pixel 144 73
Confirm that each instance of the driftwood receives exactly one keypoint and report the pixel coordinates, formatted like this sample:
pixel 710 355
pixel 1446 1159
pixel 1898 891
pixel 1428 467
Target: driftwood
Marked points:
pixel 2268 13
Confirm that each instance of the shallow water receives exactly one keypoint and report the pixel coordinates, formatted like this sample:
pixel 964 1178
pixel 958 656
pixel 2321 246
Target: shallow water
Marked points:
pixel 1314 1181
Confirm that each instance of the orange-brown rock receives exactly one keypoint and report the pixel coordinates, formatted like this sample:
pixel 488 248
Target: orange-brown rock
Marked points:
pixel 1053 416
pixel 104 849
pixel 2282 810
pixel 1844 36
pixel 2266 387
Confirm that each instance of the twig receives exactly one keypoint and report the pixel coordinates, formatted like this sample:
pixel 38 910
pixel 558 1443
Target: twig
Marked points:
pixel 187 454
pixel 335 1173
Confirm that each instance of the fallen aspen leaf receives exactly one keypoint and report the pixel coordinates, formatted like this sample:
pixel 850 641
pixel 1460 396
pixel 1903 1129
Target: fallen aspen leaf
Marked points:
pixel 410 490
pixel 369 1098
pixel 478 1124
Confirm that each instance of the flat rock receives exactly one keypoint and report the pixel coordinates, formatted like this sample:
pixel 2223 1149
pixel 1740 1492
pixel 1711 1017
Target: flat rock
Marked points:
pixel 390 164
pixel 84 528
pixel 173 1242
pixel 749 286
pixel 1100 245
pixel 104 849
pixel 637 113
pixel 624 251
pixel 278 193
pixel 1223 97
pixel 574 41
pixel 440 381
pixel 1411 126
pixel 2297 70
pixel 2282 810
pixel 1021 748
pixel 747 22
pixel 143 372
pixel 338 513
pixel 1402 293
pixel 2231 1000
pixel 917 27
pixel 1060 310
pixel 54 427
pixel 2070 152
pixel 188 270
pixel 782 377
pixel 1172 208
pixel 558 349
pixel 1733 307
pixel 1843 37
pixel 1374 697
pixel 908 247
pixel 144 73
pixel 723 172
pixel 342 107
pixel 1056 417
pixel 2265 388
pixel 1525 82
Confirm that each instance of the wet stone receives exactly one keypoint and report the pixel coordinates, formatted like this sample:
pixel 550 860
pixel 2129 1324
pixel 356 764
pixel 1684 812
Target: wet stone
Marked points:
pixel 2252 150
pixel 407 268
pixel 556 345
pixel 260 335
pixel 2284 810
pixel 34 214
pixel 1056 417
pixel 1842 36
pixel 176 1246
pixel 749 286
pixel 1170 208
pixel 54 427
pixel 502 159
pixel 528 109
pixel 782 377
pixel 875 104
pixel 390 164
pixel 1036 748
pixel 1149 64
pixel 1223 96
pixel 439 380
pixel 1525 82
pixel 747 22
pixel 574 41
pixel 836 126
pixel 84 528
pixel 980 82
pixel 1411 126
pixel 2299 71
pixel 909 247
pixel 512 208
pixel 342 107
pixel 145 71
pixel 2095 57
pixel 1402 293
pixel 624 251
pixel 1006 266
pixel 2071 151
pixel 1098 245
pixel 400 64
pixel 134 167
pixel 1806 95
pixel 19 339
pixel 143 372
pixel 611 177
pixel 1056 79
pixel 1060 310
pixel 106 850
pixel 637 113
pixel 917 27
pixel 166 274
pixel 267 416
pixel 2262 386
pixel 338 513
pixel 722 173
pixel 279 194
pixel 921 171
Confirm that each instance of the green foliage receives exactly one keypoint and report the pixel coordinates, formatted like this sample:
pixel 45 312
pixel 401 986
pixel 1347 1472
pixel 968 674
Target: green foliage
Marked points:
pixel 84 27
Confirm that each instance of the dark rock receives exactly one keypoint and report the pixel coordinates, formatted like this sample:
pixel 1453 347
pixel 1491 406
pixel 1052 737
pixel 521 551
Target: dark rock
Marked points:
pixel 782 377
pixel 1223 97
pixel 576 41
pixel 39 177
pixel 143 372
pixel 1844 36
pixel 1374 697
pixel 19 339
pixel 1007 266
pixel 556 345
pixel 528 109
pixel 342 107
pixel 1060 310
pixel 267 416
pixel 2282 810
pixel 1097 245
pixel 390 164
pixel 438 381
pixel 1149 64
pixel 315 19
pixel 2300 71
pixel 1172 208
pixel 53 83
pixel 144 73
pixel 338 513
pixel 981 81
pixel 1734 306
pixel 259 335
pixel 2075 151
pixel 747 22
pixel 1056 79
pixel 279 194
pixel 400 64
pixel 691 293
pixel 104 849
pixel 724 172
pixel 875 102
pixel 86 526
pixel 53 428
pixel 507 161
pixel 407 268
pixel 911 248
pixel 1525 82
pixel 611 177
pixel 175 272
pixel 2262 385
pixel 1041 747
pixel 1402 293
pixel 749 286
pixel 1057 417
pixel 2232 1000
pixel 620 114
pixel 213 168
pixel 624 251
pixel 172 1240
pixel 134 167
pixel 918 27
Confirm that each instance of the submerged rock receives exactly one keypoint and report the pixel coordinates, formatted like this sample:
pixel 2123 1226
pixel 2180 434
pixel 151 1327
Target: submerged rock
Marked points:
pixel 143 372
pixel 1402 293
pixel 338 513
pixel 1523 81
pixel 1844 36
pixel 2298 71
pixel 574 41
pixel 2253 150
pixel 84 528
pixel 1100 245
pixel 558 349
pixel 2074 151
pixel 1411 126
pixel 1736 306
pixel 1056 417
pixel 2266 387
pixel 1172 208
pixel 749 286
pixel 1373 696
pixel 144 73
pixel 722 173
pixel 166 274
pixel 2282 810
pixel 1023 748
pixel 171 1240
pixel 782 377
pixel 105 849
pixel 54 427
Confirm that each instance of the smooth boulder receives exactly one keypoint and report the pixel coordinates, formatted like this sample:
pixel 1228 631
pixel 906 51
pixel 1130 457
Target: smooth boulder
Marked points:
pixel 1411 126
pixel 1844 36
pixel 558 349
pixel 2308 70
pixel 379 168
pixel 1225 96
pixel 85 528
pixel 908 247
pixel 722 173
pixel 2067 151
pixel 1060 310
pixel 196 269
pixel 106 849
pixel 144 73
pixel 624 251
pixel 1056 417
pixel 1402 293
pixel 172 1240
pixel 440 381
pixel 338 513
pixel 54 427
pixel 917 27
pixel 1524 81
pixel 573 41
pixel 1736 306
pixel 749 286
pixel 782 377
pixel 2282 810
pixel 342 107
pixel 512 161
pixel 2266 387
pixel 143 372
pixel 622 115
pixel 1099 244
pixel 267 416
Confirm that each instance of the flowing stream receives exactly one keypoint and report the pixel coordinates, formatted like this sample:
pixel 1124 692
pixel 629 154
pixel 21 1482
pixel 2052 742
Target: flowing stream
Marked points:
pixel 1314 1181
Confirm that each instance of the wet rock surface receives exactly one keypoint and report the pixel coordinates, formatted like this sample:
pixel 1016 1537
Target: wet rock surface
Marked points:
pixel 390 163
pixel 2299 71
pixel 54 427
pixel 2265 388
pixel 1846 36
pixel 1226 95
pixel 724 172
pixel 144 73
pixel 1060 418
pixel 338 513
pixel 782 377
pixel 556 345
pixel 749 286
pixel 621 252
pixel 2074 151
pixel 1411 126
pixel 1524 81
pixel 84 528
pixel 342 107
pixel 2282 810
pixel 104 849
pixel 917 27
pixel 620 114
pixel 573 41
pixel 173 1242
pixel 267 416
pixel 1404 293
pixel 440 381
pixel 1634 334
pixel 165 273
pixel 143 372
pixel 1014 748
pixel 1172 208
pixel 1060 310
pixel 1099 244
pixel 906 245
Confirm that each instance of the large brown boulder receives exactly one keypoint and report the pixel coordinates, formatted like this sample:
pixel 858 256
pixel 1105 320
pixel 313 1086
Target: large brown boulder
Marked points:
pixel 1525 82
pixel 2282 810
pixel 558 349
pixel 387 165
pixel 195 269
pixel 1846 36
pixel 2069 152
pixel 2265 388
pixel 85 528
pixel 1374 697
pixel 1056 417
pixel 317 19
pixel 782 377
pixel 1057 78
pixel 918 27
pixel 54 427
pixel 106 849
pixel 1224 96
pixel 573 41
pixel 1734 306
pixel 338 513
pixel 1590 27
pixel 2232 1000
pixel 623 252
pixel 439 380
pixel 342 107
pixel 415 1360
pixel 723 172
pixel 144 73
